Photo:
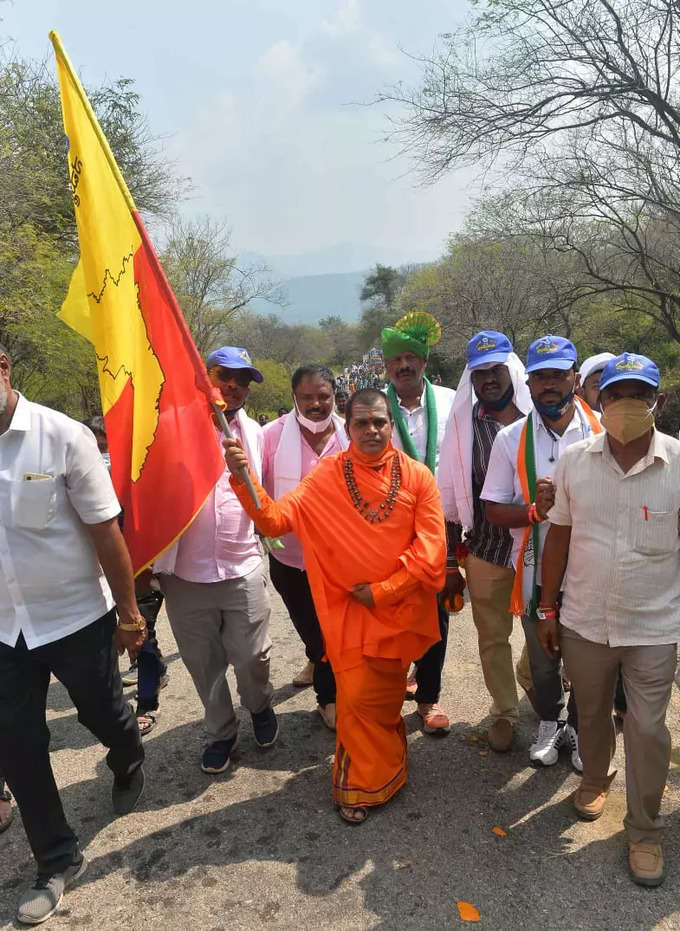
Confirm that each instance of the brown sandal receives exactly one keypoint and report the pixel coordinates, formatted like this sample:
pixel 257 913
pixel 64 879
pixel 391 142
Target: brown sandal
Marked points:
pixel 344 812
pixel 5 821
pixel 146 722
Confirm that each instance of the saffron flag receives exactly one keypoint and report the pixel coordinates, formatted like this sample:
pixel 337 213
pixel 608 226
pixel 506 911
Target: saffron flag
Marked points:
pixel 156 394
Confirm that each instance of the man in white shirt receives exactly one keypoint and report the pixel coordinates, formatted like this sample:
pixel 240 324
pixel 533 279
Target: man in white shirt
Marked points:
pixel 420 411
pixel 215 586
pixel 293 446
pixel 615 523
pixel 518 491
pixel 63 568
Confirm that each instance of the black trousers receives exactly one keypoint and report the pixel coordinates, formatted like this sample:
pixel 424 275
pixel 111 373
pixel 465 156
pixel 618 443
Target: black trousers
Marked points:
pixel 150 665
pixel 429 668
pixel 86 663
pixel 293 586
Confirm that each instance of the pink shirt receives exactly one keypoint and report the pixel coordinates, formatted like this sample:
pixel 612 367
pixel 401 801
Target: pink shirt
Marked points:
pixel 221 543
pixel 292 554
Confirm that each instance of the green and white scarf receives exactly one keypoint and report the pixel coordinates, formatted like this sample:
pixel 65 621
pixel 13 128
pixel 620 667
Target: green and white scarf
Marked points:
pixel 432 425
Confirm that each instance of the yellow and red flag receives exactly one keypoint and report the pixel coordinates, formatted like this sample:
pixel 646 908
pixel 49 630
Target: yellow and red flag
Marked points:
pixel 155 391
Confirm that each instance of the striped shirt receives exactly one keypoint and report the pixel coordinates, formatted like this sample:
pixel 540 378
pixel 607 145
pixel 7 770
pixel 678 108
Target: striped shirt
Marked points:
pixel 484 540
pixel 623 583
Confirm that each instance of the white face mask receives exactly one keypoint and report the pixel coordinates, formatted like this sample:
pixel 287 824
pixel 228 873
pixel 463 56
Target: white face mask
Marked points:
pixel 314 426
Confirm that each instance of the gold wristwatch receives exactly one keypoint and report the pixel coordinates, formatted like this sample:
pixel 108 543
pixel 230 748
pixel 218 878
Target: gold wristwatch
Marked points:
pixel 140 624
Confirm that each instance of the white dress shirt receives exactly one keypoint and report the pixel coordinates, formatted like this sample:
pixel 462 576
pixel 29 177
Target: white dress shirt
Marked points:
pixel 53 481
pixel 502 483
pixel 416 421
pixel 624 553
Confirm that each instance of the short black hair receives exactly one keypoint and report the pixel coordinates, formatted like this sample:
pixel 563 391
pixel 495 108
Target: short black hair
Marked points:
pixel 322 371
pixel 97 425
pixel 366 396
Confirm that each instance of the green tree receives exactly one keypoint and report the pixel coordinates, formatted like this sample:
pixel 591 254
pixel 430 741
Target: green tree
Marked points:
pixel 379 294
pixel 211 285
pixel 274 392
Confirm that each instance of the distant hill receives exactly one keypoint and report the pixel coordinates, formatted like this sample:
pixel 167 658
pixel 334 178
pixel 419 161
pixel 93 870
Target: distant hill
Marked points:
pixel 312 297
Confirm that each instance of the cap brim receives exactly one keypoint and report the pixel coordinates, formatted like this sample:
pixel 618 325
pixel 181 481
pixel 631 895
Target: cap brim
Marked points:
pixel 255 374
pixel 489 360
pixel 627 376
pixel 562 364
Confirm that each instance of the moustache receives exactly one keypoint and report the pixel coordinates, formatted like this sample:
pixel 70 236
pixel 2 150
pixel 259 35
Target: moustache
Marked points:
pixel 402 372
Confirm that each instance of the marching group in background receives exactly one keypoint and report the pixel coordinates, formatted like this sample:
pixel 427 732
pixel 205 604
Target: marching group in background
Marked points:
pixel 545 490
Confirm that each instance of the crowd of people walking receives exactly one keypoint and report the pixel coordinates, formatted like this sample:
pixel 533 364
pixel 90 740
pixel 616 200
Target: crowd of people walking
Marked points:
pixel 543 487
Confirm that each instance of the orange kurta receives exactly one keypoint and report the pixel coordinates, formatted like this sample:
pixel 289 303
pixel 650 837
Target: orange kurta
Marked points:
pixel 404 559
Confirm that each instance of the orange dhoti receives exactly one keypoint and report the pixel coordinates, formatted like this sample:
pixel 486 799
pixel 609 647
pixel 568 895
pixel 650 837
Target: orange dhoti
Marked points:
pixel 370 753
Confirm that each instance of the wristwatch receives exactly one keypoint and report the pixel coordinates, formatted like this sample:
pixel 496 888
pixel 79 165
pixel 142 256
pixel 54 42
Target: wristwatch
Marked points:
pixel 138 624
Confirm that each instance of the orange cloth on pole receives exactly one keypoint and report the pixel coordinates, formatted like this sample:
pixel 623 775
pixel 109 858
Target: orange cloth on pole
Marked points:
pixel 155 393
pixel 370 753
pixel 404 557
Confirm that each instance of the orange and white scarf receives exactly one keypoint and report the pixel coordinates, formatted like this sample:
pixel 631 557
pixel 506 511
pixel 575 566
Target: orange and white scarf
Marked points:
pixel 526 469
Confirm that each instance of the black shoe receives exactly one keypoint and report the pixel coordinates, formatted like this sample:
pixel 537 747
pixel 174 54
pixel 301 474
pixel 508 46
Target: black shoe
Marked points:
pixel 266 727
pixel 126 791
pixel 217 756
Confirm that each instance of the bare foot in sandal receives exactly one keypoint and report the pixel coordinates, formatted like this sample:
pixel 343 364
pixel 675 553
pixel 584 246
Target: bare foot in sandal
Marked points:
pixel 353 815
pixel 6 815
pixel 146 722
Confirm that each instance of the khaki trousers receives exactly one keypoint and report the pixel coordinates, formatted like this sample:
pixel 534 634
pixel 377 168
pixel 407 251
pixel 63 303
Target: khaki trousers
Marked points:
pixel 647 680
pixel 217 624
pixel 490 587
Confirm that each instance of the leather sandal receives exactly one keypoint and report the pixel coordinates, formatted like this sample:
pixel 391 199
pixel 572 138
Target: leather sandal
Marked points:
pixel 358 810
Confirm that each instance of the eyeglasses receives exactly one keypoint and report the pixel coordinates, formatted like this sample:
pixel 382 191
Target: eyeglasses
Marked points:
pixel 240 376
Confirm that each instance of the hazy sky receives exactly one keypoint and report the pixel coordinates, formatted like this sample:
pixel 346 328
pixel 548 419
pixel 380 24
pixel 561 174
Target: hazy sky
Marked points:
pixel 256 99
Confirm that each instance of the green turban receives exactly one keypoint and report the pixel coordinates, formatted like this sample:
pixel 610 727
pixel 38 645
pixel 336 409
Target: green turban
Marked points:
pixel 415 332
pixel 396 342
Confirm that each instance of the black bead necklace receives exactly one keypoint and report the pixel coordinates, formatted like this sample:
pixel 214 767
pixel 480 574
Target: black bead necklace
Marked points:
pixel 383 511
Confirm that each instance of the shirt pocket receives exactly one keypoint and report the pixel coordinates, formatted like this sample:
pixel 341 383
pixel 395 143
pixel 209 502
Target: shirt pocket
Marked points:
pixel 656 533
pixel 33 503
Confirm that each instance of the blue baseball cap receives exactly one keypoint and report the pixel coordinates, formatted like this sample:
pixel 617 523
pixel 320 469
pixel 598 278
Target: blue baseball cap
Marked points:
pixel 233 357
pixel 630 367
pixel 488 347
pixel 551 352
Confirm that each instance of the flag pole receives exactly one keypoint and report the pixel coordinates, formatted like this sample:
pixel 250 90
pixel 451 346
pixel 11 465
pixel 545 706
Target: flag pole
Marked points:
pixel 226 429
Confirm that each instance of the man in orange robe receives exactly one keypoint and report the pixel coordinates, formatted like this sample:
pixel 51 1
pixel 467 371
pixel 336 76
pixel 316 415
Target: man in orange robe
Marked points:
pixel 372 532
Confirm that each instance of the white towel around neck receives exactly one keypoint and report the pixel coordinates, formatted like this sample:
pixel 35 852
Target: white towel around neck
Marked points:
pixel 288 455
pixel 455 457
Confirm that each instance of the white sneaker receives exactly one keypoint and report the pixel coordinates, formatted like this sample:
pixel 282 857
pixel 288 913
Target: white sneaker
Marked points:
pixel 550 737
pixel 571 740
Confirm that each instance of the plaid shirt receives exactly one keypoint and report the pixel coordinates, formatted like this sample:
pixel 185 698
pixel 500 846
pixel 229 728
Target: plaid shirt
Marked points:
pixel 484 540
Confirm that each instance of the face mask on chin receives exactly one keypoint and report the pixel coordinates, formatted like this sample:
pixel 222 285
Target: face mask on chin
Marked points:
pixel 628 419
pixel 314 426
pixel 500 403
pixel 558 409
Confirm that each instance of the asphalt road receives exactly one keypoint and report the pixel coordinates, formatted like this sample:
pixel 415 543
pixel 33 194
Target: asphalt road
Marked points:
pixel 261 846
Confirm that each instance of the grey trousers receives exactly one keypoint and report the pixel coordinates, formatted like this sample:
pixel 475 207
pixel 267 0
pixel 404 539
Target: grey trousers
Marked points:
pixel 217 624
pixel 647 681
pixel 546 674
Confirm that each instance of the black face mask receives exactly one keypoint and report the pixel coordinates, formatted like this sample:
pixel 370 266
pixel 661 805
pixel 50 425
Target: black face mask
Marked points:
pixel 500 403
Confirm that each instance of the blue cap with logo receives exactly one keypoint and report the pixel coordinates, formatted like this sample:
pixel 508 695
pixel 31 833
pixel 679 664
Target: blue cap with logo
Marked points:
pixel 551 352
pixel 233 357
pixel 630 366
pixel 488 348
